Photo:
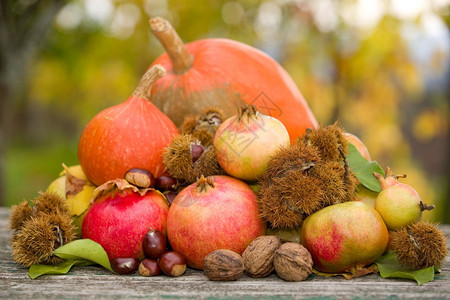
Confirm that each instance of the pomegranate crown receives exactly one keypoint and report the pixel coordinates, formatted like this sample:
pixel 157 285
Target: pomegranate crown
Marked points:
pixel 389 178
pixel 204 182
pixel 247 111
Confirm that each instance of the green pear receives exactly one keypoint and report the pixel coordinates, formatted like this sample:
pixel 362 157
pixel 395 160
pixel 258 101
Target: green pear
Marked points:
pixel 398 204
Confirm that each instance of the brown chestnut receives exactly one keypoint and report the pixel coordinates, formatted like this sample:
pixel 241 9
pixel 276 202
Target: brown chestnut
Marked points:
pixel 154 244
pixel 166 183
pixel 172 263
pixel 196 151
pixel 170 196
pixel 125 265
pixel 140 178
pixel 149 267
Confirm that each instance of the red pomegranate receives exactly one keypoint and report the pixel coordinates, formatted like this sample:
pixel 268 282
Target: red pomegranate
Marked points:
pixel 119 220
pixel 217 212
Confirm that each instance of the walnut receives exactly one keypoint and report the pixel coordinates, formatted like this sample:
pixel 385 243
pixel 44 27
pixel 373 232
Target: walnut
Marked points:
pixel 258 256
pixel 223 265
pixel 293 262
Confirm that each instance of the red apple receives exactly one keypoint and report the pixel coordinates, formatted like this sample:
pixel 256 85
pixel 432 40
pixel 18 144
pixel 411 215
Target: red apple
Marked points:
pixel 218 212
pixel 353 139
pixel 119 221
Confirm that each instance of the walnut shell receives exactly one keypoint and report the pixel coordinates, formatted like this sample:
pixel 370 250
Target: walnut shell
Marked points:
pixel 223 265
pixel 258 256
pixel 293 262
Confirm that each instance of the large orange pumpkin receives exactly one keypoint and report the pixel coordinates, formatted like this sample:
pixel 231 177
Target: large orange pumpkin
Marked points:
pixel 226 74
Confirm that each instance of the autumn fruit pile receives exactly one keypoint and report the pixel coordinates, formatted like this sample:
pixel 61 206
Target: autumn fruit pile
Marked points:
pixel 190 171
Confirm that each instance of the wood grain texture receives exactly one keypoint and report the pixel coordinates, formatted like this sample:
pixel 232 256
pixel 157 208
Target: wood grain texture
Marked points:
pixel 96 282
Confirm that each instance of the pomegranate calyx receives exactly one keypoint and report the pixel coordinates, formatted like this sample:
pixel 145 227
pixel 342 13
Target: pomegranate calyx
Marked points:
pixel 204 182
pixel 117 185
pixel 388 179
pixel 390 175
pixel 248 111
pixel 424 206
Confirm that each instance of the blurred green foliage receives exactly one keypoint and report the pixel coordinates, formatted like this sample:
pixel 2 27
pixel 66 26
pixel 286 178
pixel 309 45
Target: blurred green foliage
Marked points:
pixel 362 75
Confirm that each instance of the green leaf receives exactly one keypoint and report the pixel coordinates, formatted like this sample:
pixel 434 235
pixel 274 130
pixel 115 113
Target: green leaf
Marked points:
pixel 84 252
pixel 39 269
pixel 363 169
pixel 84 249
pixel 389 267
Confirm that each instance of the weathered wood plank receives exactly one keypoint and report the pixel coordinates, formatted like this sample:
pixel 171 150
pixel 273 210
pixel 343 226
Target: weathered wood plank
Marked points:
pixel 95 282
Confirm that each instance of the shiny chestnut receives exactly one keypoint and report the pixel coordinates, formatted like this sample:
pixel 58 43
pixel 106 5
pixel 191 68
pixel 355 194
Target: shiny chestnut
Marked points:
pixel 140 178
pixel 125 265
pixel 149 267
pixel 166 183
pixel 154 243
pixel 170 196
pixel 172 263
pixel 196 151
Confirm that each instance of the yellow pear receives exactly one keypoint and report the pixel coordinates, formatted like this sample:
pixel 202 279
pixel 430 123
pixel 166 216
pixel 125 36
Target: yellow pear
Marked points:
pixel 73 186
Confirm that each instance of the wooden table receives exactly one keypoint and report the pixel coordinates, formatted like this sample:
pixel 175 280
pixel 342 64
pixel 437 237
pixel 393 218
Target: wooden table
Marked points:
pixel 96 282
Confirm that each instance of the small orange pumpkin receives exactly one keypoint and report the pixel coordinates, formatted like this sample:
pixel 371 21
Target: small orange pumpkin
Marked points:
pixel 132 134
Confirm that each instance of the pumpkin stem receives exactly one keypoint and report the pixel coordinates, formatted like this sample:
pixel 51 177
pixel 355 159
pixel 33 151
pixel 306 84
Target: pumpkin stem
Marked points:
pixel 144 88
pixel 172 43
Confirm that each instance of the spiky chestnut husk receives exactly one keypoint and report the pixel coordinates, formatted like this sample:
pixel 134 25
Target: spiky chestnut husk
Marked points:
pixel 39 236
pixel 338 183
pixel 287 200
pixel 298 157
pixel 287 192
pixel 49 202
pixel 203 127
pixel 420 245
pixel 39 229
pixel 189 124
pixel 19 214
pixel 305 178
pixel 45 202
pixel 332 146
pixel 177 158
pixel 211 117
pixel 329 140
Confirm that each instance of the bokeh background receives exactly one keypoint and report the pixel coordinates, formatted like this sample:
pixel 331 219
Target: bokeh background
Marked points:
pixel 380 67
